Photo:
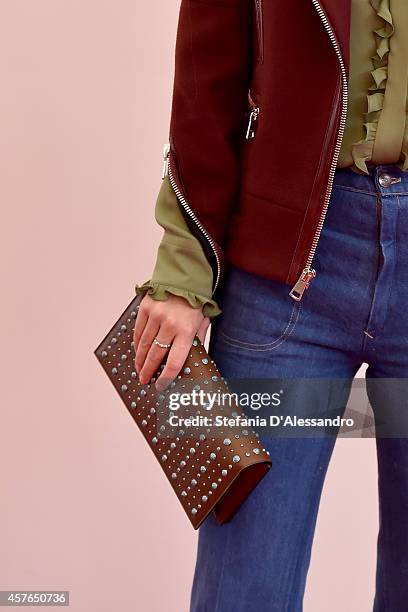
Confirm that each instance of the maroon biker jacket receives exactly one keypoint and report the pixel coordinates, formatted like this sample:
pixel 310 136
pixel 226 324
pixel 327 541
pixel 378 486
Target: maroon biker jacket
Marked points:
pixel 258 114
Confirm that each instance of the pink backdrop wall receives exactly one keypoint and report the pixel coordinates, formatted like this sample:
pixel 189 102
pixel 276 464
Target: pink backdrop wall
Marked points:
pixel 84 108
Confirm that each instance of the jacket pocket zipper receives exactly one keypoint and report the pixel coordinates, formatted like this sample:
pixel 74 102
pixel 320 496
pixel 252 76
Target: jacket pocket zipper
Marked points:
pixel 259 29
pixel 253 118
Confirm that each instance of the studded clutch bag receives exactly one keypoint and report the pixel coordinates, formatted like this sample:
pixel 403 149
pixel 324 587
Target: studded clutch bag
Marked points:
pixel 195 428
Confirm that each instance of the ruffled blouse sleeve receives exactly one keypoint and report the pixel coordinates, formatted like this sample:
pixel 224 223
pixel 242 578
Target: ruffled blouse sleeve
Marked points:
pixel 182 267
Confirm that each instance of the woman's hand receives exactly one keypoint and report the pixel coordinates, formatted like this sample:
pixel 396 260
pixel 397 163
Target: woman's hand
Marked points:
pixel 173 322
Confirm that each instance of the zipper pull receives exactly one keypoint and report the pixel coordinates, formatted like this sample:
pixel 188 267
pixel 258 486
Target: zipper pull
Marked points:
pixel 166 154
pixel 302 284
pixel 253 117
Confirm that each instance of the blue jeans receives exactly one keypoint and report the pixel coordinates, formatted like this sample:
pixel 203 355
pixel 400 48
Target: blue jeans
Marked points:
pixel 355 311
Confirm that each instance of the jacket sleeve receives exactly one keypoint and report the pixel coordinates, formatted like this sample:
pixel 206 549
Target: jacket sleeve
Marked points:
pixel 209 107
pixel 181 266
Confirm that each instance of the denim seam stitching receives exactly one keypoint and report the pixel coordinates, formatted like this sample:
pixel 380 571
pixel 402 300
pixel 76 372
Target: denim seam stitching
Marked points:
pixel 355 189
pixel 272 345
pixel 217 601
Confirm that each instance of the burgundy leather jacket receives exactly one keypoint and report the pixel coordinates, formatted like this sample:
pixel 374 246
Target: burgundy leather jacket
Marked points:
pixel 258 114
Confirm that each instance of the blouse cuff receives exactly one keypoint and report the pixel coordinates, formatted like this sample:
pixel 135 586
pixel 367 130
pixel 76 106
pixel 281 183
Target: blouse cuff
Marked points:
pixel 159 291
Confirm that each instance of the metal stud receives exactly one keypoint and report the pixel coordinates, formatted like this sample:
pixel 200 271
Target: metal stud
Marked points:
pixel 203 469
pixel 204 498
pixel 187 370
pixel 195 342
pixel 213 456
pixel 236 458
pixel 124 387
pixel 174 475
pixel 256 451
pixel 227 442
pixel 144 422
pixel 224 472
pixel 183 494
pixel 194 482
pixel 164 457
pixel 183 464
pixel 123 327
pixel 192 451
pixel 123 357
pixel 154 440
pixel 214 485
pixel 104 354
pixel 133 405
pixel 193 510
pixel 205 360
pixel 114 370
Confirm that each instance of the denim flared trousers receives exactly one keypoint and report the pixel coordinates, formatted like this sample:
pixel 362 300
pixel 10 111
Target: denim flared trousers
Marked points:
pixel 354 312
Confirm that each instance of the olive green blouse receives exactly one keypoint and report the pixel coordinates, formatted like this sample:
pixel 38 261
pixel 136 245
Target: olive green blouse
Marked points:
pixel 376 132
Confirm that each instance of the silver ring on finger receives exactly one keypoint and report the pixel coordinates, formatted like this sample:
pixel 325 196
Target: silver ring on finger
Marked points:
pixel 161 344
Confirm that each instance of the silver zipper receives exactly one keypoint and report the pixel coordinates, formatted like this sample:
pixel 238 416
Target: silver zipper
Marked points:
pixel 308 273
pixel 167 171
pixel 253 118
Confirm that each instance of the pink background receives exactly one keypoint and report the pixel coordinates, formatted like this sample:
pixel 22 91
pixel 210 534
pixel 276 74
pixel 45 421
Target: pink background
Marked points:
pixel 85 100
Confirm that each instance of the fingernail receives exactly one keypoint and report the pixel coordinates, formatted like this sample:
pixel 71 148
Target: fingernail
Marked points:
pixel 161 385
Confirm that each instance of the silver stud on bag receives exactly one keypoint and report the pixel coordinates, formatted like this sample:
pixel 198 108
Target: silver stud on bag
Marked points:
pixel 236 458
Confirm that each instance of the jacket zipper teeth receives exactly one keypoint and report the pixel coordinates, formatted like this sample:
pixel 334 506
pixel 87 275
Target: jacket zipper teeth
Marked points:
pixel 168 171
pixel 308 273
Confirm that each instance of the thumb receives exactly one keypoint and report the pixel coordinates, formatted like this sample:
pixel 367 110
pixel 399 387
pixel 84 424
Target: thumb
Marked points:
pixel 202 330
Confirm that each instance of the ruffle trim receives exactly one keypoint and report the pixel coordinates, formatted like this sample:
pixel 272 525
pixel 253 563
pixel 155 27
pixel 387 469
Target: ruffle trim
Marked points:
pixel 161 292
pixel 362 150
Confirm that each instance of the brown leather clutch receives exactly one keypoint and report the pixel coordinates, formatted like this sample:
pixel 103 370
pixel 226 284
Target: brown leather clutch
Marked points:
pixel 213 462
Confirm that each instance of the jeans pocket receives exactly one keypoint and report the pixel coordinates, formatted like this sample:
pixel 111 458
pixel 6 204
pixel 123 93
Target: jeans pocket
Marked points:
pixel 257 314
